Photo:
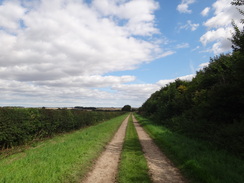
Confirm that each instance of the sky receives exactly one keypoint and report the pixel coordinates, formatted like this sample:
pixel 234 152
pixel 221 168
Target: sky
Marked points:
pixel 105 53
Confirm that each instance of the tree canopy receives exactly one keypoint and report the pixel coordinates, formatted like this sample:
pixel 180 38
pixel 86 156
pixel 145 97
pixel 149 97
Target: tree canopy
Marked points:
pixel 126 108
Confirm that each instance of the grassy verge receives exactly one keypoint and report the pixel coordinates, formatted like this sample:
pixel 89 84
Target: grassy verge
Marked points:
pixel 199 161
pixel 133 165
pixel 65 158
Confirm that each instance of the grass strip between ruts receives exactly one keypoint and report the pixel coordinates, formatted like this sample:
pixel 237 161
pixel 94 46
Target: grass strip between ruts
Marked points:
pixel 199 161
pixel 65 158
pixel 133 165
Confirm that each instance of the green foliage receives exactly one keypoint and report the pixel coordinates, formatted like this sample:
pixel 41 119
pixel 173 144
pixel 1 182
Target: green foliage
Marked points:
pixel 168 102
pixel 19 125
pixel 126 108
pixel 237 38
pixel 237 2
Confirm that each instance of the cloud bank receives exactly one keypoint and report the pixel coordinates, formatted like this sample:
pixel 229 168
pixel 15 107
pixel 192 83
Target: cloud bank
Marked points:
pixel 62 51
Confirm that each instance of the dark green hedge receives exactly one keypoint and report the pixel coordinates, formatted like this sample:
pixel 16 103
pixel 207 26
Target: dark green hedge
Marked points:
pixel 21 125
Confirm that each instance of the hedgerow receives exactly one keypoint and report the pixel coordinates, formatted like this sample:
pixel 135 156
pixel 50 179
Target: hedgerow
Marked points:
pixel 19 126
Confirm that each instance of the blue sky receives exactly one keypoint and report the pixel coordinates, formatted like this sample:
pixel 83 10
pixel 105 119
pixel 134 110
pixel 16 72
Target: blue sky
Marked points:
pixel 173 26
pixel 104 53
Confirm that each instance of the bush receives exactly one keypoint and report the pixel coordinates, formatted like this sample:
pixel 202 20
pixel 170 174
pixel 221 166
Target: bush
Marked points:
pixel 21 125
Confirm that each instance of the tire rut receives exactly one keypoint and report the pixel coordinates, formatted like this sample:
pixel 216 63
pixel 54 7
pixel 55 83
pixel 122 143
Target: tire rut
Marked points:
pixel 160 167
pixel 106 167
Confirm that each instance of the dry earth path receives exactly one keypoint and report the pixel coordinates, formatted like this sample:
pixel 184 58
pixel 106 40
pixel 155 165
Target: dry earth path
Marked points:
pixel 160 167
pixel 106 167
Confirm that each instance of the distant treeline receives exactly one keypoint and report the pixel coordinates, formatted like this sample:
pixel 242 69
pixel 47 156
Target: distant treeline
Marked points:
pixel 85 108
pixel 211 106
pixel 21 125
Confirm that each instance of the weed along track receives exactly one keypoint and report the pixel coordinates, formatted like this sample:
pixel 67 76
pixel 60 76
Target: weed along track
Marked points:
pixel 105 169
pixel 160 167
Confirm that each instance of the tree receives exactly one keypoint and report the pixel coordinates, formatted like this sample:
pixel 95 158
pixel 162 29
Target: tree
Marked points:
pixel 237 39
pixel 237 2
pixel 126 108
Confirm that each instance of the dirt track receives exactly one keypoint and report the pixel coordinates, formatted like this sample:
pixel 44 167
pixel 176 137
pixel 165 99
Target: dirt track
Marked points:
pixel 106 167
pixel 160 167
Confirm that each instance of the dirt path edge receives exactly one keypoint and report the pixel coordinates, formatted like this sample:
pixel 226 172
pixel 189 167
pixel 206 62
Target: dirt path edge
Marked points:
pixel 106 167
pixel 160 167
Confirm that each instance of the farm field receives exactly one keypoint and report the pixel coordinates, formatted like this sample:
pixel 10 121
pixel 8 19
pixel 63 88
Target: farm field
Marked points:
pixel 63 158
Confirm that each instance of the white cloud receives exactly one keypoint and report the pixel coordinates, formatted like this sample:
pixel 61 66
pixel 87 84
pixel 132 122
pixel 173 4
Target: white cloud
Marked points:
pixel 205 12
pixel 189 25
pixel 30 94
pixel 203 65
pixel 72 39
pixel 213 35
pixel 187 77
pixel 137 14
pixel 219 37
pixel 95 81
pixel 196 48
pixel 219 26
pixel 137 91
pixel 10 15
pixel 62 33
pixel 183 45
pixel 184 6
pixel 163 83
pixel 59 51
pixel 71 94
pixel 167 53
pixel 140 92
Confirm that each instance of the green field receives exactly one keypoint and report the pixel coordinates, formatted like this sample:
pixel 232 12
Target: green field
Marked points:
pixel 65 158
pixel 199 161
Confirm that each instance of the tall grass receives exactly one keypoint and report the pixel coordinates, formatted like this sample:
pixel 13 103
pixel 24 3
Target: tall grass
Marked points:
pixel 65 158
pixel 198 160
pixel 133 165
